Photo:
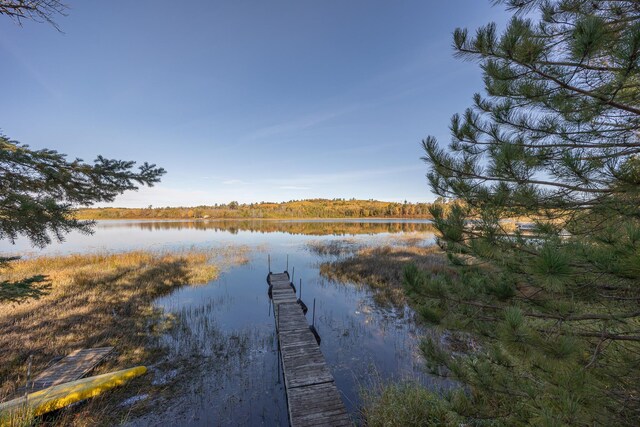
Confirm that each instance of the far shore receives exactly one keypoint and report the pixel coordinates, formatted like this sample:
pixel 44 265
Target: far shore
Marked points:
pixel 381 218
pixel 299 209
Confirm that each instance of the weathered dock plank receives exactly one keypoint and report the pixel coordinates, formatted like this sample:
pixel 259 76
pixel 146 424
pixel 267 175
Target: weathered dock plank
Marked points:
pixel 279 298
pixel 72 367
pixel 312 396
pixel 278 277
pixel 318 404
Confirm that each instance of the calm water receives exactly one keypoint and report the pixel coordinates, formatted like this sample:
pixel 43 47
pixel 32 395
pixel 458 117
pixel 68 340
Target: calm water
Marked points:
pixel 224 351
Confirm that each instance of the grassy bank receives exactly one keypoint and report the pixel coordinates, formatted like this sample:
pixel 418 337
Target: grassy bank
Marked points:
pixel 98 300
pixel 380 268
pixel 568 373
pixel 405 404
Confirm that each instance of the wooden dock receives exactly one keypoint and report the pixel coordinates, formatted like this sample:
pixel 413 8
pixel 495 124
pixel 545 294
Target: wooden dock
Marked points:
pixel 312 396
pixel 74 366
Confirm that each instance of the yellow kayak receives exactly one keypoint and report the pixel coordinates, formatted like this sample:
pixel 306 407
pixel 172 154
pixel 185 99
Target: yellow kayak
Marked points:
pixel 59 396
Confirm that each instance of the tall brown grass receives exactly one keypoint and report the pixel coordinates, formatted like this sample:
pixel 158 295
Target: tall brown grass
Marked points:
pixel 96 300
pixel 381 268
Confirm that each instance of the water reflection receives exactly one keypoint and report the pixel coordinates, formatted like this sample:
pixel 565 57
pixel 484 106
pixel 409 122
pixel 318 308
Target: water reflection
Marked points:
pixel 360 339
pixel 222 352
pixel 306 227
pixel 122 235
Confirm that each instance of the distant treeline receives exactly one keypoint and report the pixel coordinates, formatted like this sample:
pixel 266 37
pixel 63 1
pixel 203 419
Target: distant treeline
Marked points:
pixel 314 208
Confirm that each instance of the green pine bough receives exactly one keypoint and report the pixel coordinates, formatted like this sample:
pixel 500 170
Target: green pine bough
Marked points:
pixel 554 311
pixel 39 192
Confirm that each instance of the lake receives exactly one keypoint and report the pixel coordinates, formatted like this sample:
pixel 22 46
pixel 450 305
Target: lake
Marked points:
pixel 224 352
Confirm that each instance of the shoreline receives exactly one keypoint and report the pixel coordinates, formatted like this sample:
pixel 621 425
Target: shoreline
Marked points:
pixel 292 219
pixel 98 300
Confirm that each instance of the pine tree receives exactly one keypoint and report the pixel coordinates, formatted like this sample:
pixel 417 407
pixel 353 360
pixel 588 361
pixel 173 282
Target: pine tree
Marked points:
pixel 39 191
pixel 554 311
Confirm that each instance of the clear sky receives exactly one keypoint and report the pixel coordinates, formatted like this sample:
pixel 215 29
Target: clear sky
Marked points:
pixel 245 100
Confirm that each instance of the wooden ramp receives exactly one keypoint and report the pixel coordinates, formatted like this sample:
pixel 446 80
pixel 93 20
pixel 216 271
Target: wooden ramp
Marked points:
pixel 312 396
pixel 76 365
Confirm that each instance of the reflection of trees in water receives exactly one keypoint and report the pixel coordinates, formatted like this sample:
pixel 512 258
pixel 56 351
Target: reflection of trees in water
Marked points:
pixel 319 228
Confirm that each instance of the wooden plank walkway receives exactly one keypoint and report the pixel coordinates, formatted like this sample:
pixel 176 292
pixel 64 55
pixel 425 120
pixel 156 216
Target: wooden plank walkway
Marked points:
pixel 74 366
pixel 312 396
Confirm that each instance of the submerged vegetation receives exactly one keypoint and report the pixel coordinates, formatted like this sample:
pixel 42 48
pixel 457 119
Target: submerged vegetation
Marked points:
pixel 98 300
pixel 313 208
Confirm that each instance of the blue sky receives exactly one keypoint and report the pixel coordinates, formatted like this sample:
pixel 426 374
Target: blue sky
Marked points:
pixel 245 100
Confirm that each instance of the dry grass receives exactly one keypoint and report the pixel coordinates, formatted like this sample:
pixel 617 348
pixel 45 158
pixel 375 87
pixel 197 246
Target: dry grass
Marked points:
pixel 20 417
pixel 412 239
pixel 381 268
pixel 334 247
pixel 97 300
pixel 405 404
pixel 350 246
